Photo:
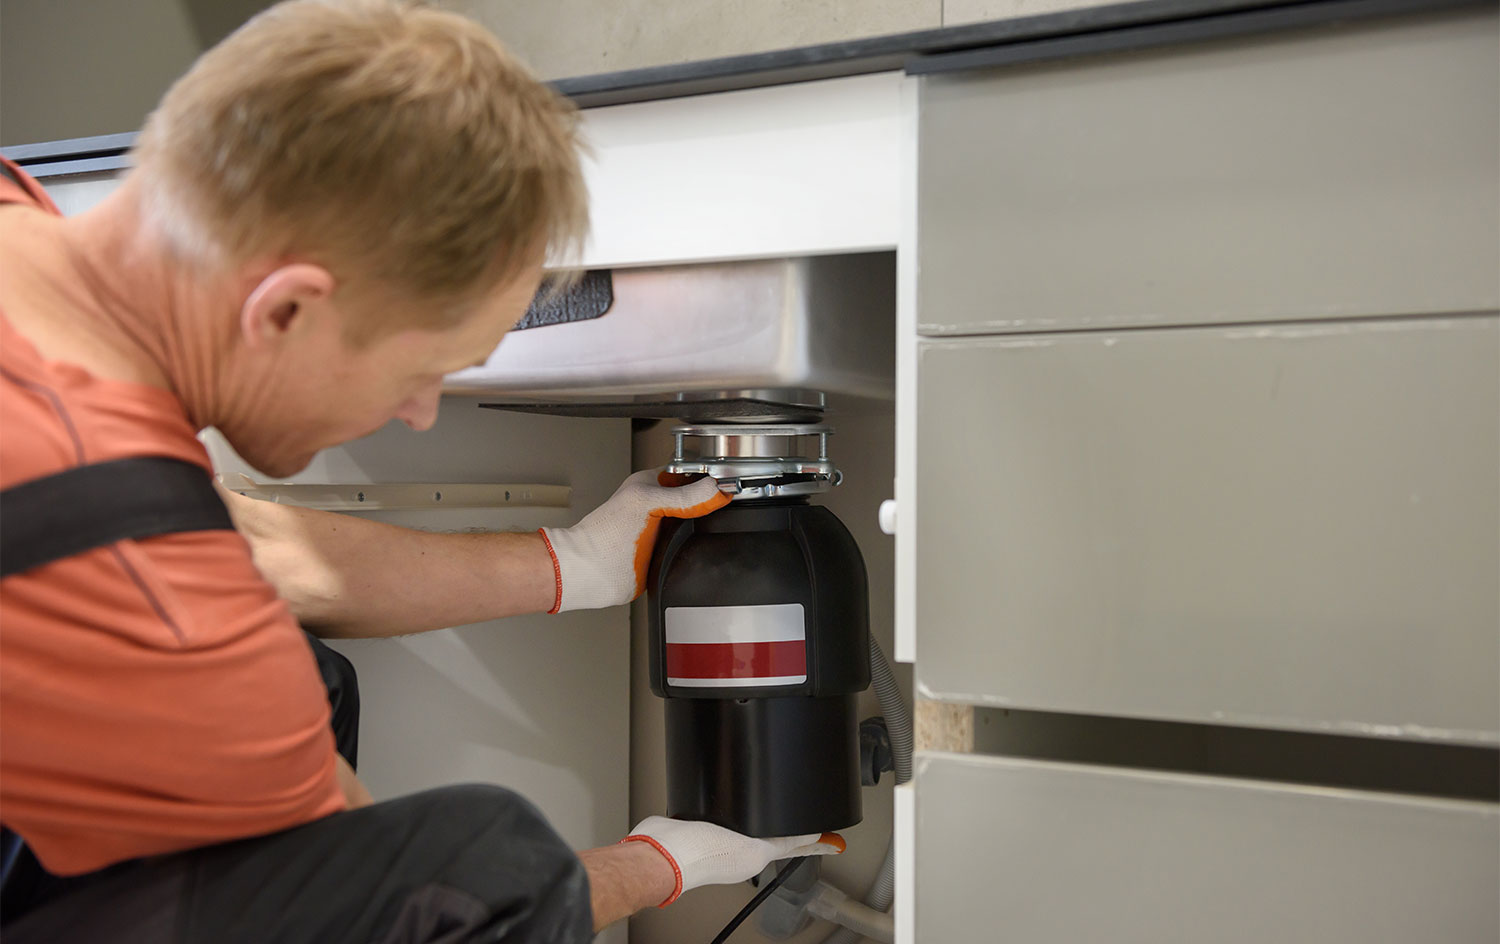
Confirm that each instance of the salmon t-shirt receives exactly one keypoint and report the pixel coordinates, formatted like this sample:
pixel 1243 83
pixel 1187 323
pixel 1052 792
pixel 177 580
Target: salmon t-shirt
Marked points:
pixel 155 694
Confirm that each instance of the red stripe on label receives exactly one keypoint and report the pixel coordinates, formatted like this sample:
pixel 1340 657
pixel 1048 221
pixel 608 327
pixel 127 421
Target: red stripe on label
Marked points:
pixel 711 660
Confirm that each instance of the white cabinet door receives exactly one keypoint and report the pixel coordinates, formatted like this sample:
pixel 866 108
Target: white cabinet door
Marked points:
pixel 1037 853
pixel 1324 173
pixel 1294 526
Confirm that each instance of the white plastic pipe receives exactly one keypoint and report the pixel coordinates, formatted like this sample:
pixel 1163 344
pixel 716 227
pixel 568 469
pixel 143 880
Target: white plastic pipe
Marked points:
pixel 833 905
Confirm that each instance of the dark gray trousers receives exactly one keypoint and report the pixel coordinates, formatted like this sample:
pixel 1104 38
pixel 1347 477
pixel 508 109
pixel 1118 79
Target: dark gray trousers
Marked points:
pixel 456 864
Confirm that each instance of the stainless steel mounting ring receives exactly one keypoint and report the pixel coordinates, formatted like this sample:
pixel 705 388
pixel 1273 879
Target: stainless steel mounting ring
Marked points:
pixel 753 462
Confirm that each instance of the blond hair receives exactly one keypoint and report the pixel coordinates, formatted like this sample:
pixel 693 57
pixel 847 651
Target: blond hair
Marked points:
pixel 389 141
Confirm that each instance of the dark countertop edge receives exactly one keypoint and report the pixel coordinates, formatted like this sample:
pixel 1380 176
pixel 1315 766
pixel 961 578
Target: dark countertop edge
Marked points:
pixel 1068 33
pixel 1245 22
pixel 78 148
pixel 877 53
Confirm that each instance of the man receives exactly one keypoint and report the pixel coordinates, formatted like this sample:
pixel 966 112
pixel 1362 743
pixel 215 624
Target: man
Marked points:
pixel 333 209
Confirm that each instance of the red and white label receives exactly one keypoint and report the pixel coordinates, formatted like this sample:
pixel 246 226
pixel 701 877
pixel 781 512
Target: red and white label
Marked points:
pixel 736 646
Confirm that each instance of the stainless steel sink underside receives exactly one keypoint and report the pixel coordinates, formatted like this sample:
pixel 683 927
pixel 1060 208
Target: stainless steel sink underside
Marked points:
pixel 762 341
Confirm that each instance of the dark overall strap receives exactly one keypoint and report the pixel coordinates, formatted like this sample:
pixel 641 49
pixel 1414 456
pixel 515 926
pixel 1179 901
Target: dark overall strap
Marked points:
pixel 90 506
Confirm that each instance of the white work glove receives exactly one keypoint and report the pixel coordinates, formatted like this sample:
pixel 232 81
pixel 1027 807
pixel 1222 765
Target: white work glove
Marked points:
pixel 602 560
pixel 705 854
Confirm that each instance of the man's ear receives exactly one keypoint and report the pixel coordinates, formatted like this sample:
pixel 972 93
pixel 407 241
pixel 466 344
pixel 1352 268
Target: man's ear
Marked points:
pixel 274 306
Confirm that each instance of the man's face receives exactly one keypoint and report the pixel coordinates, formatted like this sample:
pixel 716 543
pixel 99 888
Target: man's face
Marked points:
pixel 329 391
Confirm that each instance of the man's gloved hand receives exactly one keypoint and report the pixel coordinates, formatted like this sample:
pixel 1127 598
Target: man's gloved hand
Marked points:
pixel 601 561
pixel 705 854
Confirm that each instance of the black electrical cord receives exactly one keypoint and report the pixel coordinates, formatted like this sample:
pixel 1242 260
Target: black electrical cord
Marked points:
pixel 760 896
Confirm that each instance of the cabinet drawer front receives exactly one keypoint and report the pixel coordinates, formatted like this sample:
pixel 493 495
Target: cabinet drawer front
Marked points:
pixel 1332 173
pixel 1293 526
pixel 1034 852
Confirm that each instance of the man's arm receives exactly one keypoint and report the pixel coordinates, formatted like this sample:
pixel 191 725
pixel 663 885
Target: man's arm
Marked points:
pixel 355 794
pixel 351 577
pixel 624 879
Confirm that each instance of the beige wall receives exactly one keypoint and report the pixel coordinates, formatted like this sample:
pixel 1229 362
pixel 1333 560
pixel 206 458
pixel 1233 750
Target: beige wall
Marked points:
pixel 73 68
pixel 956 12
pixel 562 38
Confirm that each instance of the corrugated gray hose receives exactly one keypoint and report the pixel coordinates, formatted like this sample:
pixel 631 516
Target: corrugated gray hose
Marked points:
pixel 898 722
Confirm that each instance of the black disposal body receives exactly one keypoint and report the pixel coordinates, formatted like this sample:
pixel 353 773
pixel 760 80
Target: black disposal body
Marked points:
pixel 759 635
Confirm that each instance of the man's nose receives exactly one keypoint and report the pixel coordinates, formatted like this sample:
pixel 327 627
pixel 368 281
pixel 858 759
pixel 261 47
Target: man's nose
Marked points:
pixel 420 412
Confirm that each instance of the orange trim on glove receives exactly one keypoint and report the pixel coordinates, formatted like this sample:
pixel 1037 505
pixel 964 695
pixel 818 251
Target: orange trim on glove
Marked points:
pixel 647 540
pixel 556 572
pixel 677 889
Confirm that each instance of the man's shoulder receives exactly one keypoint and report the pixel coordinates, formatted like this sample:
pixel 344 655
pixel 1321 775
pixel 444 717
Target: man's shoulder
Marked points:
pixel 57 415
pixel 41 436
